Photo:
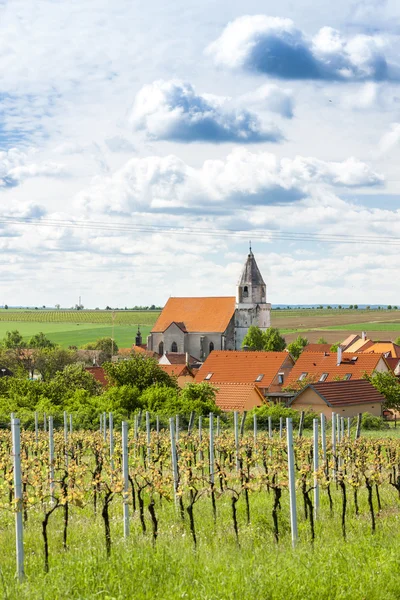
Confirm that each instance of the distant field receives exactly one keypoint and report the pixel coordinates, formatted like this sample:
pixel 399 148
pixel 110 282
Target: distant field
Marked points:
pixel 121 317
pixel 75 334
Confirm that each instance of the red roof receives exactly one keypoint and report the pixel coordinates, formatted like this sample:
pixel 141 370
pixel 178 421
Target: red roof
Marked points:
pixel 228 366
pixel 176 370
pixel 314 364
pixel 98 374
pixel 345 393
pixel 317 348
pixel 196 315
pixel 238 396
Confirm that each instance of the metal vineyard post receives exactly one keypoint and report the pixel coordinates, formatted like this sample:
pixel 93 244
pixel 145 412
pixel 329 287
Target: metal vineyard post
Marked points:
pixel 236 427
pixel 148 434
pixel 51 459
pixel 111 425
pixel 125 475
pixel 36 427
pixel 315 461
pixel 174 457
pixel 334 445
pixel 323 436
pixel 19 532
pixel 292 481
pixel 211 447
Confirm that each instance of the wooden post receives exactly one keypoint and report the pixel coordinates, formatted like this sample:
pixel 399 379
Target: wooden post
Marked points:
pixel 19 531
pixel 292 481
pixel 315 460
pixel 36 428
pixel 358 430
pixel 301 424
pixel 244 415
pixel 125 475
pixel 191 422
pixel 174 457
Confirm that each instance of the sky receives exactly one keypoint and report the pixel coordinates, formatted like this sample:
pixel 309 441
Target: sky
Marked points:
pixel 142 145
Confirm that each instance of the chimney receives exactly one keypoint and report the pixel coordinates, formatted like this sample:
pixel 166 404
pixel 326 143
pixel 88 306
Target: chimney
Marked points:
pixel 187 359
pixel 364 335
pixel 339 355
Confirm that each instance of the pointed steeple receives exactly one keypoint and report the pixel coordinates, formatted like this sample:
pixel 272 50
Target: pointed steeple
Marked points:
pixel 251 273
pixel 251 287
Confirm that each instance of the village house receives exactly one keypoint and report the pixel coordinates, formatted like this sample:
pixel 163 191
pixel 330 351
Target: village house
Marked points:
pixel 268 371
pixel 345 398
pixel 200 325
pixel 183 373
pixel 238 396
pixel 330 366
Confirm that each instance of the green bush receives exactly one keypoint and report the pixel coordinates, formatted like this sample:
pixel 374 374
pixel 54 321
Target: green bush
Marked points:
pixel 368 421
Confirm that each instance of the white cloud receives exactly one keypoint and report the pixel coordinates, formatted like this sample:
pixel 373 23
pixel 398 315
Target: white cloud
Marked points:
pixel 274 46
pixel 16 166
pixel 242 179
pixel 173 110
pixel 390 139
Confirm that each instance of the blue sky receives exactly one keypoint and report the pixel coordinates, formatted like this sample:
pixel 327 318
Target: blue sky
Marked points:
pixel 229 120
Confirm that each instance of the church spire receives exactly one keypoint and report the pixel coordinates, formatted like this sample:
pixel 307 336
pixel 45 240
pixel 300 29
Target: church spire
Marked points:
pixel 251 287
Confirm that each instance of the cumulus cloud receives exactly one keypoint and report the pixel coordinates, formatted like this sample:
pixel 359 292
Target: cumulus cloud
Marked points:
pixel 390 139
pixel 274 46
pixel 243 179
pixel 173 110
pixel 16 166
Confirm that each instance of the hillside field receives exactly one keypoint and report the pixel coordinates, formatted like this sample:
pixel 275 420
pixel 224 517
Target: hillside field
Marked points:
pixel 74 328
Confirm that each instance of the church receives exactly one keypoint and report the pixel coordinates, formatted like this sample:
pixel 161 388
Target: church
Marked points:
pixel 198 326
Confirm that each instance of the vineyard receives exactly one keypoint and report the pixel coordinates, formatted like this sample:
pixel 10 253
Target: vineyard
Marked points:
pixel 205 513
pixel 97 317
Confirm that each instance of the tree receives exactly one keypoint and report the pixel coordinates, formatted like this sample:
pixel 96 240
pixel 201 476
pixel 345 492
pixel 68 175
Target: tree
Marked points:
pixel 388 385
pixel 199 398
pixel 13 340
pixel 140 371
pixel 296 347
pixel 356 307
pixel 334 347
pixel 72 378
pixel 254 338
pixel 322 340
pixel 6 306
pixel 49 361
pixel 104 345
pixel 273 341
pixel 40 340
pixel 389 307
pixel 397 341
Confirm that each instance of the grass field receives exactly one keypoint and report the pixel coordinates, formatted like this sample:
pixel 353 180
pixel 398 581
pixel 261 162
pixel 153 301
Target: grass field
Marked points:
pixel 74 328
pixel 76 334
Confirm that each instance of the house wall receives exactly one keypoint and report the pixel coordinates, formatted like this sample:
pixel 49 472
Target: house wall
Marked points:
pixel 309 399
pixel 381 367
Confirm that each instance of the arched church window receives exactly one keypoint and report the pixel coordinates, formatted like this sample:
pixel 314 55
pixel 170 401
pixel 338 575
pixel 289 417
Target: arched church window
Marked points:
pixel 174 347
pixel 245 292
pixel 161 348
pixel 211 347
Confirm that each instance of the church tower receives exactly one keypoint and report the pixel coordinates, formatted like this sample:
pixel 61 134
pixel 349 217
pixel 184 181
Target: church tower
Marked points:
pixel 251 301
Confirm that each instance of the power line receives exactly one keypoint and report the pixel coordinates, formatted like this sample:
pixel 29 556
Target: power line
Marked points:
pixel 262 235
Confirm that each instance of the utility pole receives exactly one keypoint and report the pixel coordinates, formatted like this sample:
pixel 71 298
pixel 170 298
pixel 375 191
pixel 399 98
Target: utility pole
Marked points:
pixel 112 339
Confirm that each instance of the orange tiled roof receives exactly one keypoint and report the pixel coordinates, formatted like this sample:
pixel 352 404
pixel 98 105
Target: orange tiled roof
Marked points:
pixel 197 314
pixel 143 350
pixel 237 396
pixel 317 348
pixel 175 370
pixel 345 393
pixel 316 363
pixel 353 337
pixel 228 366
pixel 383 348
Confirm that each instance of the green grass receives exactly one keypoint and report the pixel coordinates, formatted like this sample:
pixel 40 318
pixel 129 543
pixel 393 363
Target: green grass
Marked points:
pixel 76 334
pixel 122 317
pixel 370 326
pixel 365 566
